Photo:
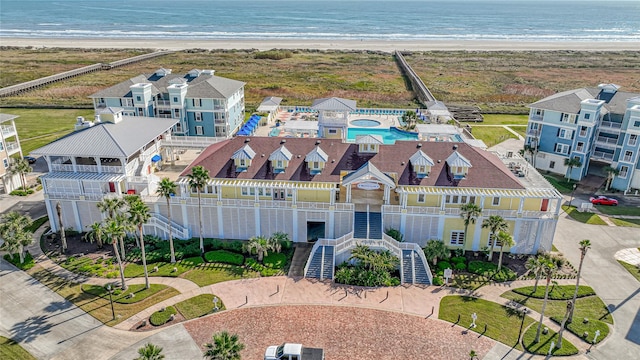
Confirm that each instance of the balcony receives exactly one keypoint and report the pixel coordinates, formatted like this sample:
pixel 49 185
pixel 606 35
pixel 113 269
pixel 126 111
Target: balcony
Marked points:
pixel 7 131
pixel 163 103
pixel 533 132
pixel 600 155
pixel 607 142
pixel 611 125
pixel 12 147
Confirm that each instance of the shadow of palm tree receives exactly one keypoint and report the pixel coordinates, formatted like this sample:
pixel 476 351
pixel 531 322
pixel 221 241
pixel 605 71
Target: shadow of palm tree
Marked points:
pixel 29 329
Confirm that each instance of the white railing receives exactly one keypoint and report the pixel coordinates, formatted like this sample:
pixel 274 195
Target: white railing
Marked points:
pixel 75 196
pixel 163 103
pixel 12 147
pixel 176 231
pixel 148 153
pixel 7 130
pixel 606 140
pixel 602 155
pixel 190 141
pixel 611 125
pixel 412 247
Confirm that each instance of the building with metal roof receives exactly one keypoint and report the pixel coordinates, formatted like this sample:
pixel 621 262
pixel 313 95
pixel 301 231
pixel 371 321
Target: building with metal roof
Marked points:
pixel 203 103
pixel 587 131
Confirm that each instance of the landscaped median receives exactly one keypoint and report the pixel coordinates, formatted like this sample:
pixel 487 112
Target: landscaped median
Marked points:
pixel 192 308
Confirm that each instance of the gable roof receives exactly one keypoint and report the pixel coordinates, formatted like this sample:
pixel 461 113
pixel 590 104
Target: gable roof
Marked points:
pixel 455 159
pixel 369 139
pixel 569 101
pixel 369 171
pixel 281 154
pixel 334 103
pixel 270 103
pixel 246 152
pixel 109 140
pixel 420 158
pixel 317 155
pixel 488 171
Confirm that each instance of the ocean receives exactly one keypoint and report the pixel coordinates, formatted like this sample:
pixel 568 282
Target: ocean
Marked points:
pixel 416 20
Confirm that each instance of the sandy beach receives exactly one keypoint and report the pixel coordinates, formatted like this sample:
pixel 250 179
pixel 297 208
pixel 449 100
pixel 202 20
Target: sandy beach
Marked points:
pixel 373 45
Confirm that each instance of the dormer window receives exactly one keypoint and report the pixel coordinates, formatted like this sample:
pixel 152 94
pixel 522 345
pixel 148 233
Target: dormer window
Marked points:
pixel 280 159
pixel 316 159
pixel 242 158
pixel 421 164
pixel 369 143
pixel 458 165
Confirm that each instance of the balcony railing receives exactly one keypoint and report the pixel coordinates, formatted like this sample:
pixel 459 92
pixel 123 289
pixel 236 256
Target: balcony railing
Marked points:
pixel 610 125
pixel 8 130
pixel 12 147
pixel 86 168
pixel 607 140
pixel 163 103
pixel 601 155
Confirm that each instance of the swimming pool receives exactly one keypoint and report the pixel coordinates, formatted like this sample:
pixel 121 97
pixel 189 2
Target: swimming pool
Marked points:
pixel 389 135
pixel 365 123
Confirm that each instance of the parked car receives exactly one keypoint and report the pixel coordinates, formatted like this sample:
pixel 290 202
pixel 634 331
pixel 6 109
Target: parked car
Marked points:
pixel 603 200
pixel 293 352
pixel 30 159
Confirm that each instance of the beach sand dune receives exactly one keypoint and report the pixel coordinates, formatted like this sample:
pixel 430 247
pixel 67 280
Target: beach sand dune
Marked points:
pixel 372 45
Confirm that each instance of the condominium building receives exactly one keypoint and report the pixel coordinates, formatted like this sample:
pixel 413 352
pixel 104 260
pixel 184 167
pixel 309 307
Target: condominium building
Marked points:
pixel 202 103
pixel 9 148
pixel 598 127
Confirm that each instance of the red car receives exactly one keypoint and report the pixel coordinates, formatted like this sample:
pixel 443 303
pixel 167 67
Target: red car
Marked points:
pixel 603 200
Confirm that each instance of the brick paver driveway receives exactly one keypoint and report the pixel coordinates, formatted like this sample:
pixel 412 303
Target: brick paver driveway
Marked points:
pixel 343 332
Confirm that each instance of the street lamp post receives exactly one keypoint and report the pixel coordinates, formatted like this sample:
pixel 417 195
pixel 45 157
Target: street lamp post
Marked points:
pixel 524 314
pixel 572 191
pixel 113 313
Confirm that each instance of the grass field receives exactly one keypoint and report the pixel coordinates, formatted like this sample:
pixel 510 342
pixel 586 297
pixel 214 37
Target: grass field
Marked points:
pixel 542 347
pixel 562 185
pixel 626 222
pixel 492 135
pixel 583 216
pixel 619 210
pixel 11 350
pixel 505 119
pixel 198 306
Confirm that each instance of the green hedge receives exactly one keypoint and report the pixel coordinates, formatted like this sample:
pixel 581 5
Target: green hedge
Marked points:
pixel 444 265
pixel 458 259
pixel 15 260
pixel 263 270
pixel 275 261
pixel 482 267
pixel 162 317
pixel 557 292
pixel 224 256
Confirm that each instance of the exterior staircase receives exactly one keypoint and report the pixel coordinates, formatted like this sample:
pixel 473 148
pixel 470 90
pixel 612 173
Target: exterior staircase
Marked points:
pixel 360 225
pixel 158 225
pixel 413 267
pixel 375 225
pixel 320 266
pixel 407 266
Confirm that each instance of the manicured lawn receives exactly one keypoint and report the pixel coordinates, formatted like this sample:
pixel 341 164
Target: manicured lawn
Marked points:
pixel 619 210
pixel 492 135
pixel 161 317
pixel 35 225
pixel 590 307
pixel 542 347
pixel 633 270
pixel 505 119
pixel 11 350
pixel 164 269
pixel 123 297
pixel 561 292
pixel 198 306
pixel 584 216
pixel 578 327
pixel 27 263
pixel 214 273
pixel 94 268
pixel 560 184
pixel 626 222
pixel 96 306
pixel 520 129
pixel 38 127
pixel 502 322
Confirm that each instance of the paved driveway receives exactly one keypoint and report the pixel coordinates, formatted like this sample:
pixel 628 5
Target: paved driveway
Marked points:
pixel 617 288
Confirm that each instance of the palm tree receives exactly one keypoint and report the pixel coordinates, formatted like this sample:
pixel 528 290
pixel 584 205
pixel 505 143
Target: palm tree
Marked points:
pixel 363 254
pixel 611 173
pixel 95 234
pixel 385 260
pixel 495 223
pixel 469 213
pixel 571 163
pixel 585 245
pixel 224 347
pixel 564 321
pixel 63 237
pixel 260 244
pixel 535 264
pixel 13 232
pixel 21 167
pixel 139 214
pixel 504 239
pixel 436 249
pixel 197 180
pixel 548 270
pixel 167 188
pixel 278 239
pixel 150 352
pixel 112 206
pixel 115 229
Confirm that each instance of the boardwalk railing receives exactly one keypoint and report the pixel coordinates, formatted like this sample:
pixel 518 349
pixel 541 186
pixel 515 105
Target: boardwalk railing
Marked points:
pixel 30 85
pixel 422 92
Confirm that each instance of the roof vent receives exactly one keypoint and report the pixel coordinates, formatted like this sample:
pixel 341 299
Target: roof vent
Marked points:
pixel 455 147
pixel 318 142
pixel 262 155
pixel 419 145
pixel 439 161
pixel 247 140
pixel 299 156
pixel 283 141
pixel 403 163
pixel 333 160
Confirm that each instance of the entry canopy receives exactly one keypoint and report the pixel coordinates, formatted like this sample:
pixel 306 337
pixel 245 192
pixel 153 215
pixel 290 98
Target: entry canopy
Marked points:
pixel 368 172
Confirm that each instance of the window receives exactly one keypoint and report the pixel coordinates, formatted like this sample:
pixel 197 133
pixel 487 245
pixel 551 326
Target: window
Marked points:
pixel 260 192
pixel 565 134
pixel 199 130
pixel 198 116
pixel 495 201
pixel 252 191
pixel 566 118
pixel 457 237
pixel 333 131
pixel 587 116
pixel 552 164
pixel 580 146
pixel 126 102
pixel 5 163
pixel 623 172
pixel 242 162
pixel 196 102
pixel 315 165
pixel 637 124
pixel 244 191
pixel 562 149
pixel 279 164
pixel 176 113
pixel 539 112
pixel 175 99
pixel 455 199
pixel 633 139
pixel 628 155
pixel 491 239
pixel 421 198
pixel 138 99
pixel 583 131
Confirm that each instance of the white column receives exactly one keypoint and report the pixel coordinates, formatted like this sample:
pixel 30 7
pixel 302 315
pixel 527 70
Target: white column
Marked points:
pixel 441 220
pixel 51 213
pixel 536 245
pixel 98 164
pixel 477 231
pixel 521 206
pixel 73 164
pixel 331 225
pixel 295 223
pixel 386 194
pixel 332 200
pixel 403 220
pixel 443 203
pixel 256 215
pixel 220 221
pixel 76 215
pixel 349 193
pixel 185 214
pixel 219 192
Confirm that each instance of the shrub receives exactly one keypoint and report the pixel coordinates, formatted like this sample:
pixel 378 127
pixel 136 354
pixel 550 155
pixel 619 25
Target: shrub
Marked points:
pixel 505 274
pixel 162 317
pixel 263 270
pixel 273 54
pixel 223 256
pixel 20 192
pixel 438 281
pixel 395 234
pixel 15 260
pixel 275 261
pixel 482 267
pixel 458 259
pixel 234 246
pixel 460 266
pixel 444 265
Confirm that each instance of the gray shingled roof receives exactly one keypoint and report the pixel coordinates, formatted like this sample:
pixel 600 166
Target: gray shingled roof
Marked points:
pixel 334 103
pixel 569 101
pixel 109 140
pixel 7 117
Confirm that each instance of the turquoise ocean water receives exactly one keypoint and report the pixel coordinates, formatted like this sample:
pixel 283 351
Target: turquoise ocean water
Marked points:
pixel 523 20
